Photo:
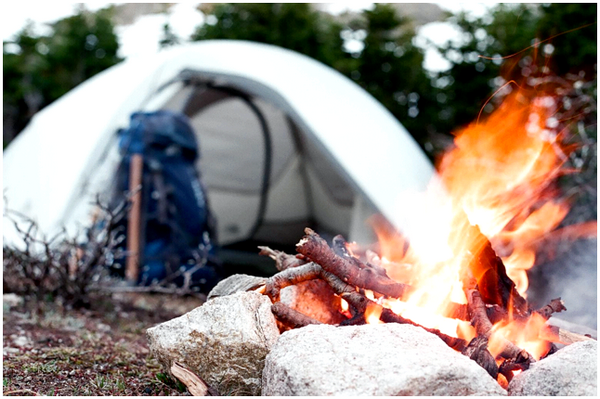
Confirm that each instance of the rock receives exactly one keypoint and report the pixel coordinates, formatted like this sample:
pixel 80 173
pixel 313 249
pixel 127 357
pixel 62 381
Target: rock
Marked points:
pixel 22 341
pixel 382 359
pixel 224 341
pixel 572 371
pixel 236 283
pixel 11 300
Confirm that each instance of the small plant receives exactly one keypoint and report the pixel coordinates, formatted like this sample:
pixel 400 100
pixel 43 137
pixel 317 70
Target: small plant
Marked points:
pixel 170 382
pixel 49 367
pixel 99 382
pixel 60 266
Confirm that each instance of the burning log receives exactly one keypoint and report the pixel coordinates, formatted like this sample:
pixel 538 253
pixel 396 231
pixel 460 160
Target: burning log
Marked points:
pixel 477 350
pixel 483 326
pixel 491 297
pixel 479 318
pixel 316 249
pixel 494 284
pixel 358 302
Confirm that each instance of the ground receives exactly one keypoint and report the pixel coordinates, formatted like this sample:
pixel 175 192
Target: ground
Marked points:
pixel 101 351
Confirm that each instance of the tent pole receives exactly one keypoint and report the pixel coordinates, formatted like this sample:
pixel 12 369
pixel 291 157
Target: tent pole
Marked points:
pixel 133 219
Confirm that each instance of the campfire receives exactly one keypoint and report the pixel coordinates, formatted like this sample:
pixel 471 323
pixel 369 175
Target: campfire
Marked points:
pixel 462 276
pixel 459 268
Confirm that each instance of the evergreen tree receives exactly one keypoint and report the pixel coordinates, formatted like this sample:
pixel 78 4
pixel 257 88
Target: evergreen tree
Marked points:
pixel 38 70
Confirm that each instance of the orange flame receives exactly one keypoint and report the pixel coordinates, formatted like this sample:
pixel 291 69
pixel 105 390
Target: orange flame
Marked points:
pixel 525 334
pixel 495 185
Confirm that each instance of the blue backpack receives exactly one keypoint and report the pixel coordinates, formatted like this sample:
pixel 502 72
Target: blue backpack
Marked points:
pixel 177 228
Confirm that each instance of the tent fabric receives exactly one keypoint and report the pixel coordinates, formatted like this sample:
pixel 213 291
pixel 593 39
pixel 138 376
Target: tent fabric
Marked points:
pixel 333 154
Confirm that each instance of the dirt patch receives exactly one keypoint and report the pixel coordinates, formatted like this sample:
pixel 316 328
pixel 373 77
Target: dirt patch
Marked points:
pixel 100 351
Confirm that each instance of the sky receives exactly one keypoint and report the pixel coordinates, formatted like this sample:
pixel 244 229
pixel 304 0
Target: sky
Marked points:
pixel 142 37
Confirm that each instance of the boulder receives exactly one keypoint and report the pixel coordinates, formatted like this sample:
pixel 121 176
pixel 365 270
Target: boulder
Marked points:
pixel 572 371
pixel 224 341
pixel 382 359
pixel 236 283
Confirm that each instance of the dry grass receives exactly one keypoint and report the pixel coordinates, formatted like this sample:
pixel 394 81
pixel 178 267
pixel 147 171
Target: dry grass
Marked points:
pixel 100 351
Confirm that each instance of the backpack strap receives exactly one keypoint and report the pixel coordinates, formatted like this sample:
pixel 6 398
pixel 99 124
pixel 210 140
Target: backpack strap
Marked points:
pixel 160 190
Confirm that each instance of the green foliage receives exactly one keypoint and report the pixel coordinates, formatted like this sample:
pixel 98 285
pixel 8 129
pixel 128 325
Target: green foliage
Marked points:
pixel 577 50
pixel 295 26
pixel 40 69
pixel 477 61
pixel 171 382
pixel 493 50
pixel 390 68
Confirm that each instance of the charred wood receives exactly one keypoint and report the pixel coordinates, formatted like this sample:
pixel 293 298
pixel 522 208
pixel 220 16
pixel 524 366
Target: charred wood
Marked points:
pixel 494 284
pixel 496 313
pixel 477 350
pixel 356 320
pixel 509 366
pixel 483 326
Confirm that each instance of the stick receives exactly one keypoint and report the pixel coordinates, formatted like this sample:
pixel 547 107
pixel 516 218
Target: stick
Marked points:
pixel 134 217
pixel 291 317
pixel 458 344
pixel 196 385
pixel 282 260
pixel 555 306
pixel 291 276
pixel 315 248
pixel 561 336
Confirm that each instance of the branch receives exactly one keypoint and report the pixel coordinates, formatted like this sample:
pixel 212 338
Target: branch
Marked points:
pixel 196 385
pixel 315 248
pixel 561 336
pixel 291 276
pixel 555 306
pixel 282 260
pixel 291 317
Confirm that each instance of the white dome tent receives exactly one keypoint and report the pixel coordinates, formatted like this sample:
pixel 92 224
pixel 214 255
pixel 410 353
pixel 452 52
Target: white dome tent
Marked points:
pixel 285 142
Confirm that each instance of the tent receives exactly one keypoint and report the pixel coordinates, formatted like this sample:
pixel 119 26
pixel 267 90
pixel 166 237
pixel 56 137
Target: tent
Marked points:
pixel 285 142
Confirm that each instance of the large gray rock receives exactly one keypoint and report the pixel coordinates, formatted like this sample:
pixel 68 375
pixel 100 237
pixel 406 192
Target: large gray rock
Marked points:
pixel 572 371
pixel 225 341
pixel 382 359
